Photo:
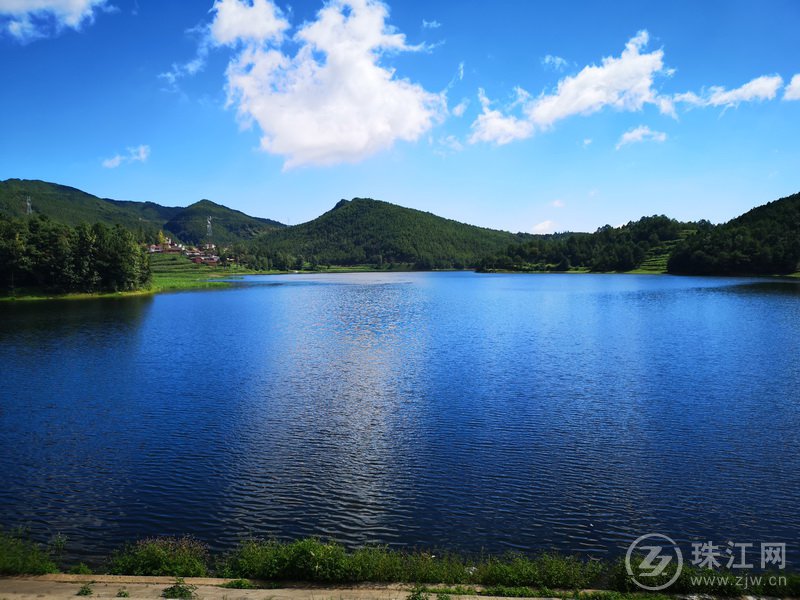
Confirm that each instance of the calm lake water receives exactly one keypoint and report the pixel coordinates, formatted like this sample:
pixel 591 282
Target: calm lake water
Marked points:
pixel 437 410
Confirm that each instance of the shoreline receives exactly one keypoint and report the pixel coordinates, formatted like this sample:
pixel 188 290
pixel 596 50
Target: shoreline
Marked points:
pixel 218 281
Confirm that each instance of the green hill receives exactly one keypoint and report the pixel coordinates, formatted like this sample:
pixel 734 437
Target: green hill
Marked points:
pixel 364 231
pixel 71 207
pixel 228 225
pixel 762 241
pixel 643 244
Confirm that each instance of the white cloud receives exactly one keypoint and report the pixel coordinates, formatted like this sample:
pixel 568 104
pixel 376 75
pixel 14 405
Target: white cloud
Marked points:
pixel 430 24
pixel 333 101
pixel 494 127
pixel 460 108
pixel 792 91
pixel 544 227
pixel 624 83
pixel 236 22
pixel 759 89
pixel 586 142
pixel 27 20
pixel 558 203
pixel 555 62
pixel 461 71
pixel 641 134
pixel 135 154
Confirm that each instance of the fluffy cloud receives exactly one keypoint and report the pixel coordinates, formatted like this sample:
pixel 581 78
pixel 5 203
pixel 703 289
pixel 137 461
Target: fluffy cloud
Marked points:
pixel 237 22
pixel 27 20
pixel 792 91
pixel 135 154
pixel 641 134
pixel 624 83
pixel 332 101
pixel 495 127
pixel 759 89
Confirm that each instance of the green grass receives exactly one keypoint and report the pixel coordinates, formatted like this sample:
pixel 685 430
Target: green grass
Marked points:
pixel 176 272
pixel 21 556
pixel 175 556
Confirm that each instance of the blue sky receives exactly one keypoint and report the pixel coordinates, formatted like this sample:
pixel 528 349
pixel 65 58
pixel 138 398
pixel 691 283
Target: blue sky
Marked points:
pixel 518 115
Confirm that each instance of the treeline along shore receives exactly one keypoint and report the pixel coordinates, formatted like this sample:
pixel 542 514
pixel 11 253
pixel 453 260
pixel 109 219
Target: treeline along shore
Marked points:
pixel 57 239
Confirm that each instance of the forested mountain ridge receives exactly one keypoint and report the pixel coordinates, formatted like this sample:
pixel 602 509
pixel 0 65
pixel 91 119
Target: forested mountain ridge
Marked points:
pixel 646 241
pixel 228 225
pixel 72 207
pixel 362 231
pixel 365 231
pixel 762 241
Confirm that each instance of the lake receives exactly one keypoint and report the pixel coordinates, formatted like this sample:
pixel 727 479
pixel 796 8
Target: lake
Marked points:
pixel 431 410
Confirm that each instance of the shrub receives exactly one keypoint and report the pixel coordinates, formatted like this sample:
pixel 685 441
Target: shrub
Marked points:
pixel 180 589
pixel 21 556
pixel 175 556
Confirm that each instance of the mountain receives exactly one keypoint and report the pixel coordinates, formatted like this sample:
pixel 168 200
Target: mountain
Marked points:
pixel 228 225
pixel 72 206
pixel 366 231
pixel 762 241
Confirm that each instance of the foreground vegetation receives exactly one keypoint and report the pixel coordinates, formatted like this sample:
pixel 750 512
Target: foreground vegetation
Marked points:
pixel 265 563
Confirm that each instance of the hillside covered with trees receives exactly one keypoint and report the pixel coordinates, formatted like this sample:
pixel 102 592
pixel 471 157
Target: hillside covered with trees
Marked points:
pixel 72 207
pixel 38 253
pixel 763 241
pixel 625 248
pixel 228 226
pixel 365 231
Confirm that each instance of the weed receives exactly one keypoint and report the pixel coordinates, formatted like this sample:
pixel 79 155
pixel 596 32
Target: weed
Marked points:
pixel 85 590
pixel 418 593
pixel 180 589
pixel 123 593
pixel 81 569
pixel 239 584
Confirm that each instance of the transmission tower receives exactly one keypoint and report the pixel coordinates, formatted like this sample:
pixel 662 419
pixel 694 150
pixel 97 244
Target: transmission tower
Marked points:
pixel 28 209
pixel 208 228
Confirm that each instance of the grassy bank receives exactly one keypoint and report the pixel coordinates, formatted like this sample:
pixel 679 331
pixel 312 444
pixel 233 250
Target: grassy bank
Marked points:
pixel 170 272
pixel 311 560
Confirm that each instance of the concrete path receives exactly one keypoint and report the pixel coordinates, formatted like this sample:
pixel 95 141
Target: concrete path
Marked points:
pixel 105 587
